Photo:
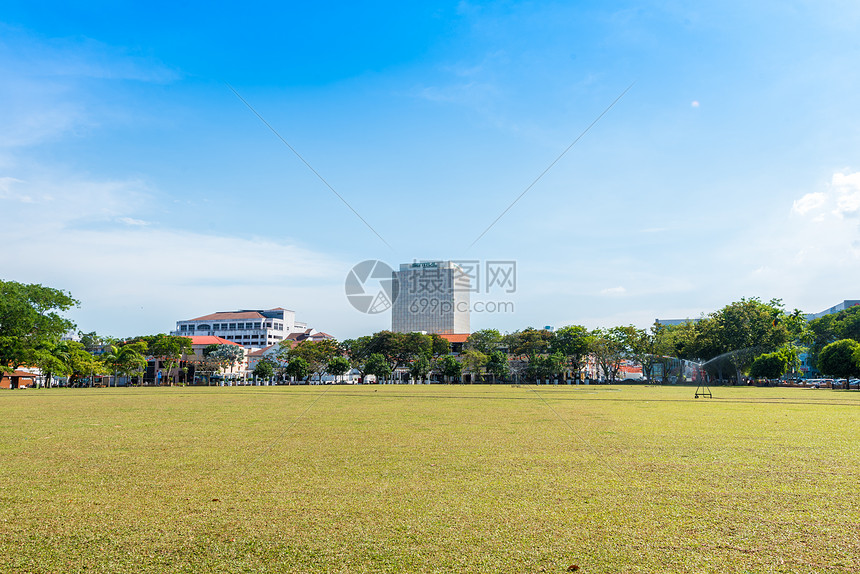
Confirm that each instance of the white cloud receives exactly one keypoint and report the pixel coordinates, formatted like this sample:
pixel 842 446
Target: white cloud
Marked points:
pixel 88 237
pixel 47 89
pixel 132 221
pixel 614 291
pixel 841 199
pixel 811 259
pixel 809 202
pixel 847 188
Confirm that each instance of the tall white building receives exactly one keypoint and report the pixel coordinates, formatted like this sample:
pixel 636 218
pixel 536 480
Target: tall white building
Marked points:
pixel 433 297
pixel 249 328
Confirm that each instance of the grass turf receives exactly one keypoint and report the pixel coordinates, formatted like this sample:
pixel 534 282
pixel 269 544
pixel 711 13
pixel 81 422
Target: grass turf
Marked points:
pixel 429 479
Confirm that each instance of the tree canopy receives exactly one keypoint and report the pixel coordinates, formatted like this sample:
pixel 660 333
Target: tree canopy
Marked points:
pixel 31 322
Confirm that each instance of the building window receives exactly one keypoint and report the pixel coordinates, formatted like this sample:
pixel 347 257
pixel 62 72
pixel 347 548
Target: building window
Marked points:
pixel 202 327
pixel 183 327
pixel 232 325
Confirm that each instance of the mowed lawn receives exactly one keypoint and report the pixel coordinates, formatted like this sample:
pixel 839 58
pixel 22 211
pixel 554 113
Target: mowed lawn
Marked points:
pixel 429 479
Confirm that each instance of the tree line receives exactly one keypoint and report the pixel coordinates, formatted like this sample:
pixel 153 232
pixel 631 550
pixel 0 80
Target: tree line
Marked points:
pixel 749 337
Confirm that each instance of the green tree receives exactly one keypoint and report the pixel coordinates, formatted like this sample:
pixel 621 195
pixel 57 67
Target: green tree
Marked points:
pixel 497 365
pixel 768 366
pixel 52 361
pixel 829 328
pixel 449 367
pixel 79 363
pixel 227 356
pixel 747 328
pixel 30 322
pixel 265 369
pixel 297 368
pixel 357 351
pixel 485 341
pixel 642 347
pixel 420 368
pixel 529 342
pixel 546 366
pixel 167 350
pixel 378 366
pixel 610 347
pixel 440 345
pixel 125 359
pixel 574 343
pixel 338 366
pixel 317 354
pixel 473 362
pixel 839 359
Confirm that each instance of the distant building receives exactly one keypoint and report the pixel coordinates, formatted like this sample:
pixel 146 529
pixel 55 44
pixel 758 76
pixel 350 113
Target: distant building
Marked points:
pixel 835 309
pixel 249 328
pixel 668 322
pixel 456 341
pixel 432 297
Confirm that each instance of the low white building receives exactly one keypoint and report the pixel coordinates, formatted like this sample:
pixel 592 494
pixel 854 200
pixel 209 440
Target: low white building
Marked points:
pixel 251 328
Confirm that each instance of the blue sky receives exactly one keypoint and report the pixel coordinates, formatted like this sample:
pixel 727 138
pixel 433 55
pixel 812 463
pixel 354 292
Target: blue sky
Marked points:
pixel 132 176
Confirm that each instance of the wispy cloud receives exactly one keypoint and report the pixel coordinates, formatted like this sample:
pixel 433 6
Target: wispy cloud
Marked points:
pixel 133 221
pixel 811 258
pixel 809 202
pixel 48 84
pixel 68 237
pixel 614 291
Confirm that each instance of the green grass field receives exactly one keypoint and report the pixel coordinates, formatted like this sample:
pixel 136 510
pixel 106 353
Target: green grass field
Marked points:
pixel 429 479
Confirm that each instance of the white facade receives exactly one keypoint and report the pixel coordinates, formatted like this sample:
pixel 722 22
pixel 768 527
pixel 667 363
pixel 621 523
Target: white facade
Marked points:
pixel 249 328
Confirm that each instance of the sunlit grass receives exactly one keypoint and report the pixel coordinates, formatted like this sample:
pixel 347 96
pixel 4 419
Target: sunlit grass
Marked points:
pixel 429 479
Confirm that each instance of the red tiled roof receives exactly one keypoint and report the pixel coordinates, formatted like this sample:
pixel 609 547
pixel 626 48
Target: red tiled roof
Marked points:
pixel 261 352
pixel 206 340
pixel 455 337
pixel 228 316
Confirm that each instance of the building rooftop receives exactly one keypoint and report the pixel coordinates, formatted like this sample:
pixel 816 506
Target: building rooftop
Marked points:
pixel 206 340
pixel 455 337
pixel 229 315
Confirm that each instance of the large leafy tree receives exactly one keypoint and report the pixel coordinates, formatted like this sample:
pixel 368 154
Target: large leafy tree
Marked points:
pixel 125 359
pixel 31 322
pixel 743 330
pixel 839 359
pixel 337 367
pixel 546 366
pixel 610 347
pixel 768 366
pixel 265 368
pixel 574 343
pixel 226 356
pixel 297 368
pixel 439 345
pixel 168 350
pixel 473 362
pixel 79 363
pixel 484 341
pixel 378 366
pixel 829 328
pixel 317 354
pixel 420 368
pixel 357 351
pixel 449 367
pixel 529 342
pixel 497 365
